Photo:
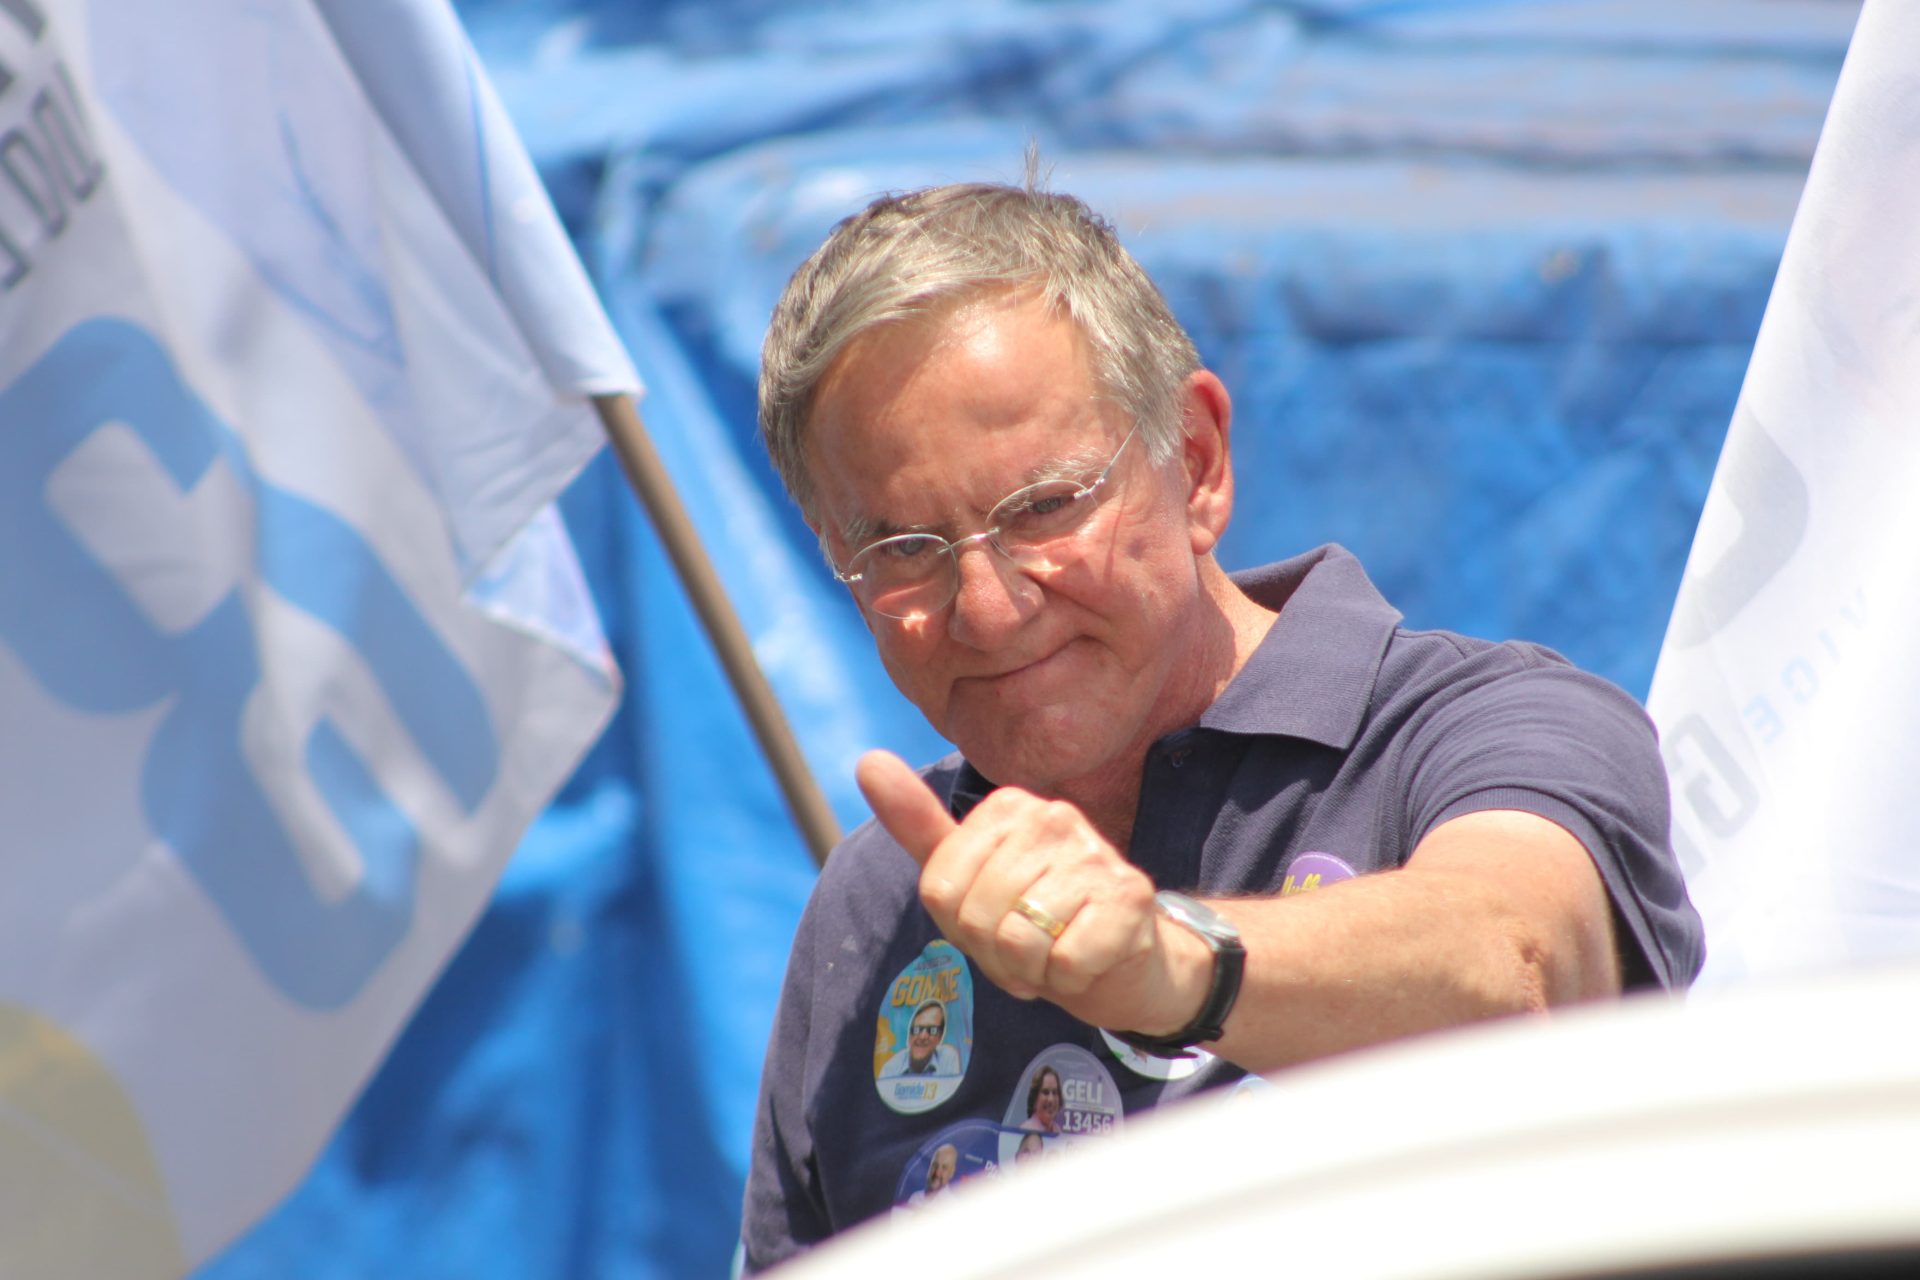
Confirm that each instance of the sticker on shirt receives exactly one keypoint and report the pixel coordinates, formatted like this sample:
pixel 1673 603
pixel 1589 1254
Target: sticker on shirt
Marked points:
pixel 1063 1095
pixel 956 1153
pixel 1249 1087
pixel 1152 1066
pixel 1310 871
pixel 924 1036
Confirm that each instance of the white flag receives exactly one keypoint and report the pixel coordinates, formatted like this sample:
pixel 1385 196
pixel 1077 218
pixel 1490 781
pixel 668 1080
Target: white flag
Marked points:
pixel 292 362
pixel 1788 690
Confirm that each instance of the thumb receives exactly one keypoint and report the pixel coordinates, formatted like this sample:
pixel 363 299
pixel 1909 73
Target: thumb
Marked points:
pixel 905 805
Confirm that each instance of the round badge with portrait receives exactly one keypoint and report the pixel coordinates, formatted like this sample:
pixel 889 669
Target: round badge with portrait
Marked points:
pixel 1064 1094
pixel 923 1038
pixel 958 1152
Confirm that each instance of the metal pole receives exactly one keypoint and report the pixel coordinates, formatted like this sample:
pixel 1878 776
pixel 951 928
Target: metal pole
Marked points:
pixel 650 482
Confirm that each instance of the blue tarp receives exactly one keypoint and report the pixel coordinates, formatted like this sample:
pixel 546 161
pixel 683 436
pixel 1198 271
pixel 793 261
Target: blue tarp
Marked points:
pixel 1482 279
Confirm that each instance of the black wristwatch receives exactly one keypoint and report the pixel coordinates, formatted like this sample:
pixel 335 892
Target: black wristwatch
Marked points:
pixel 1229 966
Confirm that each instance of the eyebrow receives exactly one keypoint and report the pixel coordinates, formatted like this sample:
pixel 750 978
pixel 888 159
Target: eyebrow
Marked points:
pixel 862 530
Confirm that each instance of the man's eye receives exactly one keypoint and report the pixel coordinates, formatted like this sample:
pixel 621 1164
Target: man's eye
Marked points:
pixel 1041 510
pixel 909 548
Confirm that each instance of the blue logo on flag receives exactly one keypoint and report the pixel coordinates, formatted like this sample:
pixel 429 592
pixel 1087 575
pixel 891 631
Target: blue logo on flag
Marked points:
pixel 78 631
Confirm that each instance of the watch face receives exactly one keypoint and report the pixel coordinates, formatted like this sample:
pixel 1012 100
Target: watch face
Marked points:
pixel 1195 915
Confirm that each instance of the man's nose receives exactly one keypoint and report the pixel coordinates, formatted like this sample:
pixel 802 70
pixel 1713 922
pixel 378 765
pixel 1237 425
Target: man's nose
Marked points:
pixel 994 598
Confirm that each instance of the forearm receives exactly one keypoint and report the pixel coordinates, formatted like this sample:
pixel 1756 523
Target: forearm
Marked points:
pixel 1496 914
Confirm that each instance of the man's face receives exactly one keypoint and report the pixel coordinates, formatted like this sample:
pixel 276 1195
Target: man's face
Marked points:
pixel 923 1035
pixel 940 1171
pixel 1040 679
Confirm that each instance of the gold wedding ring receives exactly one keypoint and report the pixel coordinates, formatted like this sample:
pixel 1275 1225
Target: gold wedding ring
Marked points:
pixel 1043 920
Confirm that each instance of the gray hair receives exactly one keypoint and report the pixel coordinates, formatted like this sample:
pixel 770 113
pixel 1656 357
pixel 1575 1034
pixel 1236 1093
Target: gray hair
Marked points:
pixel 917 253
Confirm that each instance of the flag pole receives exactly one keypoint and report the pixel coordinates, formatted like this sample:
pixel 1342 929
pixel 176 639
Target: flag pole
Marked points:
pixel 648 476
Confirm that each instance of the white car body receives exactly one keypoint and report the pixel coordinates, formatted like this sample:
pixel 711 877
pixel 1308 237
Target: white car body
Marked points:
pixel 1752 1132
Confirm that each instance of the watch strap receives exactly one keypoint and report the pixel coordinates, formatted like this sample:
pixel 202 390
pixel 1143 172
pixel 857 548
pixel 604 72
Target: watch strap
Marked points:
pixel 1229 967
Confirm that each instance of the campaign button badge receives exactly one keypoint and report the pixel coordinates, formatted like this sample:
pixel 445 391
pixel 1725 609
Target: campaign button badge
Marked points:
pixel 1152 1066
pixel 1310 871
pixel 960 1151
pixel 1064 1094
pixel 923 1036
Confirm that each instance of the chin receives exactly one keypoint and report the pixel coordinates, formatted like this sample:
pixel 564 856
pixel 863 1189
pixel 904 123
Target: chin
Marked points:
pixel 1030 765
pixel 1051 746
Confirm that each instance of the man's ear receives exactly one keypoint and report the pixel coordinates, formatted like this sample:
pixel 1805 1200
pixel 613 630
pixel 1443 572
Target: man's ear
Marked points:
pixel 1206 422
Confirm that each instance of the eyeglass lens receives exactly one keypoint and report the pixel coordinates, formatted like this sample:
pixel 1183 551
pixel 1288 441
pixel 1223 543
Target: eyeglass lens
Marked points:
pixel 915 574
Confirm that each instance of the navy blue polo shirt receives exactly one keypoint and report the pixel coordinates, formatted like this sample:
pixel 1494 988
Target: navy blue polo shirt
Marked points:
pixel 1340 744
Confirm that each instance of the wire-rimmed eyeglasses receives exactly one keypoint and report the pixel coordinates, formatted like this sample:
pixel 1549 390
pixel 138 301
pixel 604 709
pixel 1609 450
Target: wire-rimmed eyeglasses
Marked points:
pixel 911 576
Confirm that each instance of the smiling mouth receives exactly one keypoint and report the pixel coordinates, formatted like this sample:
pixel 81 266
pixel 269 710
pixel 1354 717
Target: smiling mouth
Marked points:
pixel 1040 661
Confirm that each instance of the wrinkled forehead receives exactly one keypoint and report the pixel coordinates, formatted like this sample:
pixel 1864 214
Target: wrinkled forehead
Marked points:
pixel 970 403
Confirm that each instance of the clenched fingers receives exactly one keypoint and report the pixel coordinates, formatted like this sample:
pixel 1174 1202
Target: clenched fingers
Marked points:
pixel 1019 867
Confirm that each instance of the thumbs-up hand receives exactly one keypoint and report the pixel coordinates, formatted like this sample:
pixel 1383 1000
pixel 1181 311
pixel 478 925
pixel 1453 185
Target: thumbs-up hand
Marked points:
pixel 1040 901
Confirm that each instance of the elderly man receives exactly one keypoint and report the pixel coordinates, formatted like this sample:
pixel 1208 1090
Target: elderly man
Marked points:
pixel 1198 825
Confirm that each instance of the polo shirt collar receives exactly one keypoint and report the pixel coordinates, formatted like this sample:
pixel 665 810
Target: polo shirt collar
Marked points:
pixel 1313 675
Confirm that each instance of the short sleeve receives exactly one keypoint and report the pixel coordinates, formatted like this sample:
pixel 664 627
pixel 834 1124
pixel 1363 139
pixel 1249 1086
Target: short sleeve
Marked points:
pixel 1528 732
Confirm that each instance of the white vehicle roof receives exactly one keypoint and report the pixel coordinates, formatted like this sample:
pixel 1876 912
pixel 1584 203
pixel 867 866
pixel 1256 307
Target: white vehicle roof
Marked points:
pixel 1648 1135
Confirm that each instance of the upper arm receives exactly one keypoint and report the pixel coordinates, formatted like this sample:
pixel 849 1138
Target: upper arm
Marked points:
pixel 1581 758
pixel 1540 883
